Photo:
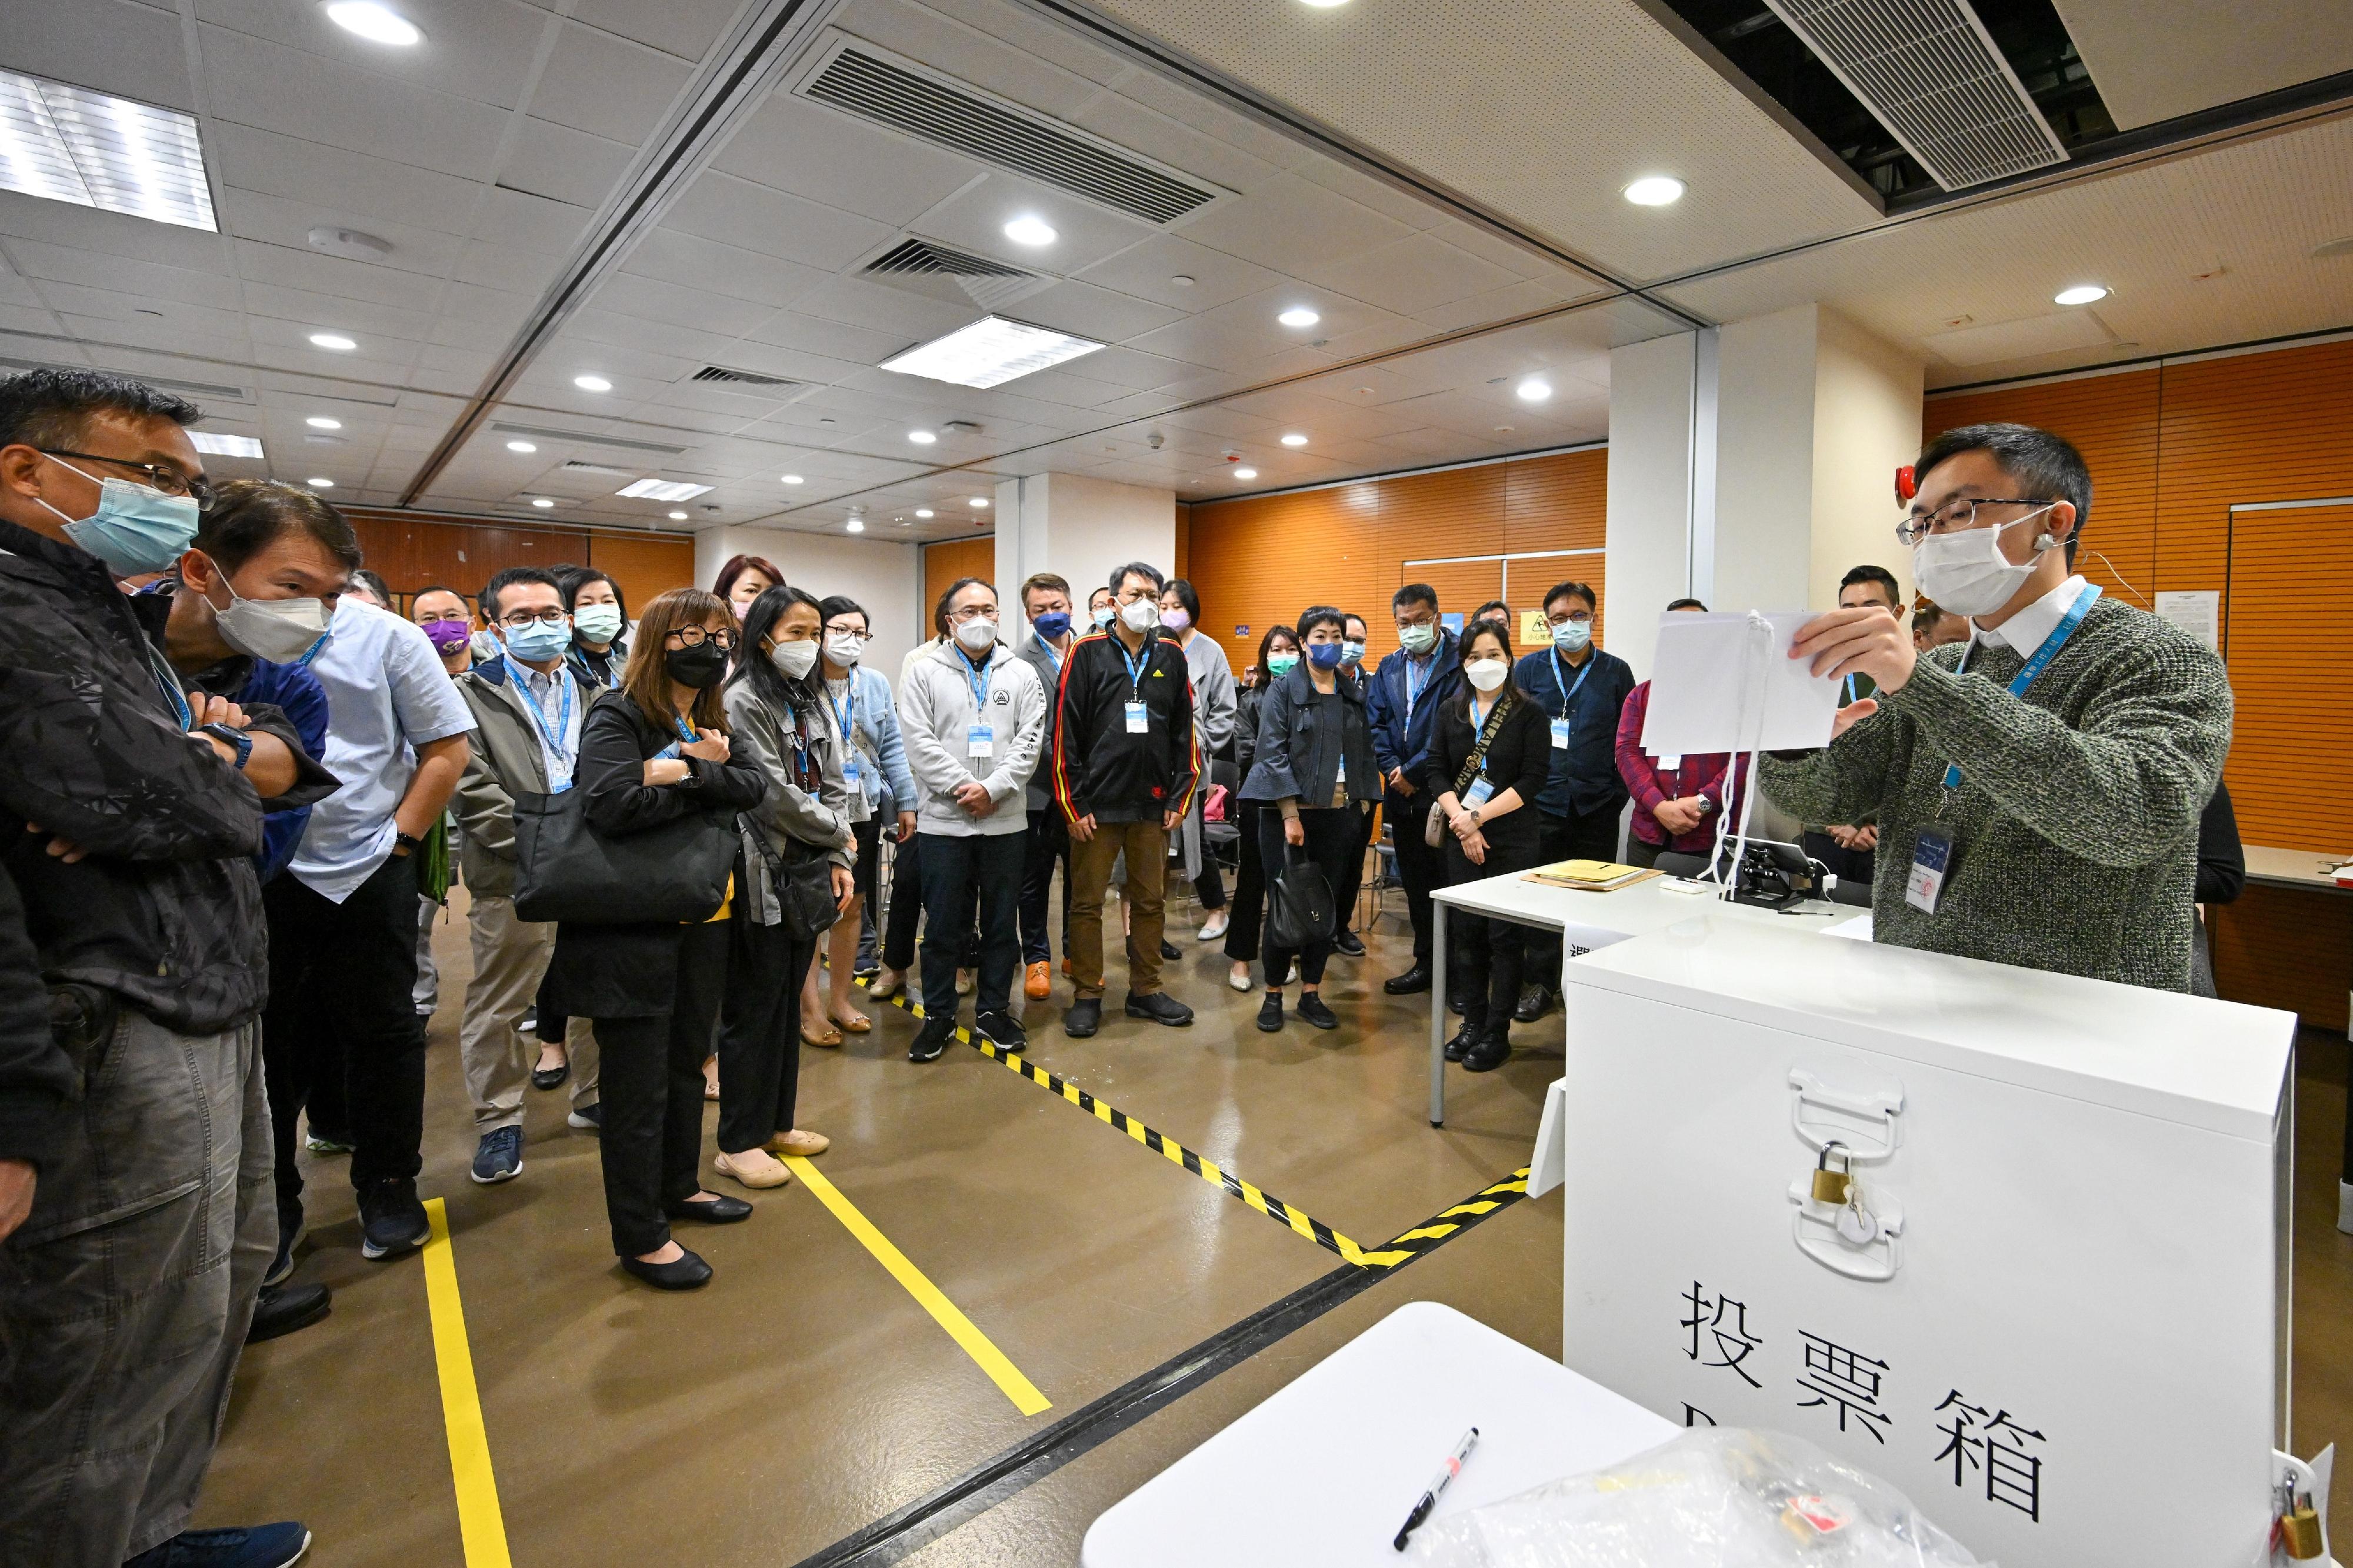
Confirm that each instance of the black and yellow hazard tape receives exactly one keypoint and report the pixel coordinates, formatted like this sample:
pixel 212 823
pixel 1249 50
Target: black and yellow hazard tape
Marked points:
pixel 1399 1250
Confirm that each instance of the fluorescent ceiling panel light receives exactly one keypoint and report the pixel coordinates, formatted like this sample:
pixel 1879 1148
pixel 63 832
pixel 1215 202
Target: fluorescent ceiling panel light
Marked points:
pixel 1535 389
pixel 213 445
pixel 321 422
pixel 1655 191
pixel 335 340
pixel 94 150
pixel 319 484
pixel 794 479
pixel 376 24
pixel 2081 294
pixel 662 490
pixel 1294 439
pixel 990 352
pixel 1299 316
pixel 592 384
pixel 1031 231
pixel 1245 473
pixel 521 447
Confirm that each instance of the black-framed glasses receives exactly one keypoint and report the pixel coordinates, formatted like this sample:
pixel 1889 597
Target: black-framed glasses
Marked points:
pixel 850 632
pixel 973 612
pixel 522 618
pixel 1580 618
pixel 694 636
pixel 1960 516
pixel 163 477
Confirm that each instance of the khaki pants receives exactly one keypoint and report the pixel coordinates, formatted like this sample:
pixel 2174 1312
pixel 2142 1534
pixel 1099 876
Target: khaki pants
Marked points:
pixel 1146 844
pixel 510 959
pixel 125 1296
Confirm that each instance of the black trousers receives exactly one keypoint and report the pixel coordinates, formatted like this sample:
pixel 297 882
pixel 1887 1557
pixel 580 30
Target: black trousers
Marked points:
pixel 1345 910
pixel 1048 842
pixel 1419 867
pixel 760 1035
pixel 1846 865
pixel 906 915
pixel 1209 887
pixel 1584 835
pixel 651 1084
pixel 963 872
pixel 1489 960
pixel 1249 919
pixel 342 1005
pixel 1331 838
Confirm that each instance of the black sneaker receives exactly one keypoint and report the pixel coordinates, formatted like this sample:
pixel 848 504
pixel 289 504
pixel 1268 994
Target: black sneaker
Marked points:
pixel 1160 1007
pixel 1084 1017
pixel 1536 1001
pixel 1311 1008
pixel 1170 950
pixel 1270 1013
pixel 282 1265
pixel 260 1546
pixel 1002 1028
pixel 391 1219
pixel 499 1156
pixel 283 1309
pixel 931 1043
pixel 1349 943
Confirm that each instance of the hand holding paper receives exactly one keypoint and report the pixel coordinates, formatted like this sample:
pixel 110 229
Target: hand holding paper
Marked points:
pixel 1866 639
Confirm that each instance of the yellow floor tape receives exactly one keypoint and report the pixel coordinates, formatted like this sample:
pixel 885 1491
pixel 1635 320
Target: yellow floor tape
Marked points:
pixel 480 1524
pixel 990 1360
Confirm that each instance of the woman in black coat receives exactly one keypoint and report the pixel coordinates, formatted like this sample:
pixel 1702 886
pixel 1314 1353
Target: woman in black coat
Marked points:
pixel 650 753
pixel 1491 830
pixel 1313 770
pixel 1278 653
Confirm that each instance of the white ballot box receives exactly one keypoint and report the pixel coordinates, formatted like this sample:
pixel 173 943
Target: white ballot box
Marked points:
pixel 2055 1313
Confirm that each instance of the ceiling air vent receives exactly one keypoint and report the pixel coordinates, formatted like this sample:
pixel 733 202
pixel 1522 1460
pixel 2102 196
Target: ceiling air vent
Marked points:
pixel 1930 73
pixel 726 377
pixel 862 81
pixel 579 466
pixel 946 273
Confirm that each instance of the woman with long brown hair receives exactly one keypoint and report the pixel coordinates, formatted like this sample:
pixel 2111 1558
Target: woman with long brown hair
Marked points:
pixel 652 751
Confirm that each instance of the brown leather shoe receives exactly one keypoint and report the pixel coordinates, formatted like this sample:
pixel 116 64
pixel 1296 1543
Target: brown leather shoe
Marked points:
pixel 1038 982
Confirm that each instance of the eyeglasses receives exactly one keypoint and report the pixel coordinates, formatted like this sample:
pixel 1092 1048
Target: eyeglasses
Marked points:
pixel 1576 617
pixel 1957 517
pixel 973 612
pixel 160 476
pixel 695 636
pixel 849 632
pixel 522 618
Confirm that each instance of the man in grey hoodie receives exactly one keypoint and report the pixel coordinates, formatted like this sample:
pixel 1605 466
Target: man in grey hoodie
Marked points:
pixel 972 716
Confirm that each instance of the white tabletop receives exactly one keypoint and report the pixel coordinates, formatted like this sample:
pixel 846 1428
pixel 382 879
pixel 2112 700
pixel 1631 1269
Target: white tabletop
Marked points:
pixel 2294 868
pixel 1324 1472
pixel 1591 919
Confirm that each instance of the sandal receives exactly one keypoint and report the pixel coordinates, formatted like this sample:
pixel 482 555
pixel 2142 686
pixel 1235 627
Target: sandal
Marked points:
pixel 857 1023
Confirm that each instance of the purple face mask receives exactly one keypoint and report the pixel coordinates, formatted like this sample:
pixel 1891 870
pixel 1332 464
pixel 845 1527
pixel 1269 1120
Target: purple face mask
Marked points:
pixel 447 636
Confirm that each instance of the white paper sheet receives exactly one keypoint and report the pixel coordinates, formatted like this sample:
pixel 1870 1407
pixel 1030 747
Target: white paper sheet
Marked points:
pixel 1718 686
pixel 2197 611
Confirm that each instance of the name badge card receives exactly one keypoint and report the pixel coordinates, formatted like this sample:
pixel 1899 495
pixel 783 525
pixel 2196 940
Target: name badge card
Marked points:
pixel 1671 762
pixel 1560 733
pixel 1480 793
pixel 1139 722
pixel 849 769
pixel 980 741
pixel 1932 853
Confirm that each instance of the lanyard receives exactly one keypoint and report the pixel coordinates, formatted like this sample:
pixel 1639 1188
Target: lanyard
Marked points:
pixel 2036 665
pixel 562 679
pixel 1136 668
pixel 1479 723
pixel 846 713
pixel 168 684
pixel 1847 698
pixel 1414 688
pixel 685 729
pixel 980 679
pixel 1568 693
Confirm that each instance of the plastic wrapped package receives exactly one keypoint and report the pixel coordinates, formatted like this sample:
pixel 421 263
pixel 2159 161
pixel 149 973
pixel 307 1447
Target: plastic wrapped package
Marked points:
pixel 1711 1497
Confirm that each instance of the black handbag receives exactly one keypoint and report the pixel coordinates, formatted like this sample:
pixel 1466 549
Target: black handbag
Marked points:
pixel 675 873
pixel 804 893
pixel 1299 906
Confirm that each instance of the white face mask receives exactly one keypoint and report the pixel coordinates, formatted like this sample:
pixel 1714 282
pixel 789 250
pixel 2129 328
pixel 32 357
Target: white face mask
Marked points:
pixel 1569 637
pixel 1141 616
pixel 598 623
pixel 794 659
pixel 1486 674
pixel 843 647
pixel 1966 572
pixel 278 630
pixel 978 636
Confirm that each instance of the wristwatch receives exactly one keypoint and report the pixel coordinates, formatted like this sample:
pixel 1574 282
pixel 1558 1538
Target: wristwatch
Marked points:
pixel 236 740
pixel 405 843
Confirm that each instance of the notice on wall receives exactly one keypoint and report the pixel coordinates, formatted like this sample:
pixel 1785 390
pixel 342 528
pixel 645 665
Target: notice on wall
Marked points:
pixel 2199 613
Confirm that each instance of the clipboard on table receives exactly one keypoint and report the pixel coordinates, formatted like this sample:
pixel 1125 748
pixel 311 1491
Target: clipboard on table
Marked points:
pixel 1588 875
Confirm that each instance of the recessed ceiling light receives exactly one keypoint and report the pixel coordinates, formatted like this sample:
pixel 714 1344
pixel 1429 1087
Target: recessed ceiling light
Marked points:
pixel 376 24
pixel 318 483
pixel 1655 191
pixel 1299 316
pixel 1181 279
pixel 2081 294
pixel 1031 231
pixel 794 479
pixel 592 384
pixel 1294 439
pixel 923 511
pixel 542 503
pixel 335 340
pixel 1535 389
pixel 71 144
pixel 214 444
pixel 662 490
pixel 321 422
pixel 990 352
pixel 857 525
pixel 922 437
pixel 1245 473
pixel 521 447
pixel 678 517
pixel 1324 5
pixel 978 501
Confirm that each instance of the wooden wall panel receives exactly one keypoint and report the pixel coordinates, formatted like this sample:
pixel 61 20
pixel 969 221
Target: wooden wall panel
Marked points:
pixel 2292 729
pixel 945 562
pixel 2280 947
pixel 413 553
pixel 643 567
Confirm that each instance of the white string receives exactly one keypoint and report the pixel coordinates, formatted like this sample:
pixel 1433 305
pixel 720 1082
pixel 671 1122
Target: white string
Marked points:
pixel 1756 648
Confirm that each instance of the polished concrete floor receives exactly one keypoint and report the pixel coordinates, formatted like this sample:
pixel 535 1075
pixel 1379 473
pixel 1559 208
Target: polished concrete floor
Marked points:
pixel 806 1393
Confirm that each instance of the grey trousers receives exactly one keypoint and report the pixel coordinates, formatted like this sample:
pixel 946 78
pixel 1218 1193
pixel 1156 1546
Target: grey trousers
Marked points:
pixel 510 959
pixel 125 1296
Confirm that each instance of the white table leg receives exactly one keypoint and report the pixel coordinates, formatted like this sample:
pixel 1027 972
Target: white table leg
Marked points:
pixel 1437 1014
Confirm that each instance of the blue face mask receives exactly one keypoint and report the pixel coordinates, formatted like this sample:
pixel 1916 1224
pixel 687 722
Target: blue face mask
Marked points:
pixel 1325 654
pixel 539 641
pixel 1105 616
pixel 1569 637
pixel 136 528
pixel 1052 625
pixel 1351 651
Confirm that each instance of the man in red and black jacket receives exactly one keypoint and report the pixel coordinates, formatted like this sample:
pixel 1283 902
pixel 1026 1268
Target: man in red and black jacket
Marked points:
pixel 1126 765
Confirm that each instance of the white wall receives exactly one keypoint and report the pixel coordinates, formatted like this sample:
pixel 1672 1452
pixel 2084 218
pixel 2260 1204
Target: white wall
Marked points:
pixel 1765 461
pixel 1647 538
pixel 1867 422
pixel 884 576
pixel 1080 528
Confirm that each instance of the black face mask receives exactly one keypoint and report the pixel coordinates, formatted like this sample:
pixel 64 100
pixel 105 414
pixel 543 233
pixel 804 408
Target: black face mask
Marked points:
pixel 700 666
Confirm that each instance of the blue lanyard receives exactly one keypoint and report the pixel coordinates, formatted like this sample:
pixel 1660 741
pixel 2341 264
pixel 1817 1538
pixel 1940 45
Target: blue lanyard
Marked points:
pixel 980 679
pixel 562 679
pixel 1136 668
pixel 2036 665
pixel 847 713
pixel 685 729
pixel 1847 698
pixel 1568 693
pixel 1414 688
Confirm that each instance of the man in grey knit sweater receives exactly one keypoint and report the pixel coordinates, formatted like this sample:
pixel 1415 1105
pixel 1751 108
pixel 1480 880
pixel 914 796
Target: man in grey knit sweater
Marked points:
pixel 2087 735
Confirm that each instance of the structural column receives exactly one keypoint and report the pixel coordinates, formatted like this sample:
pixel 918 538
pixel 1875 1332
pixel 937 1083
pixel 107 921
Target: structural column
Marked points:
pixel 1079 528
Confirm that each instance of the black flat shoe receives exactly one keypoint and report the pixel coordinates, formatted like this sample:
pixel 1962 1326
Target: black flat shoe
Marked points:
pixel 686 1272
pixel 1311 1008
pixel 1456 1006
pixel 1464 1038
pixel 1412 981
pixel 551 1077
pixel 1487 1055
pixel 1084 1017
pixel 1270 1013
pixel 721 1210
pixel 1347 941
pixel 1536 1001
pixel 1160 1007
pixel 283 1308
pixel 1170 950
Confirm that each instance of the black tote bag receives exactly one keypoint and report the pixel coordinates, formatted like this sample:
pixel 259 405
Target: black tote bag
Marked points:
pixel 1298 902
pixel 566 870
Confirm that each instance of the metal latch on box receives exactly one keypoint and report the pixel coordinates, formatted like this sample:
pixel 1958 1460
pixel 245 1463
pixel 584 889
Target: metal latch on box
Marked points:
pixel 1846 1224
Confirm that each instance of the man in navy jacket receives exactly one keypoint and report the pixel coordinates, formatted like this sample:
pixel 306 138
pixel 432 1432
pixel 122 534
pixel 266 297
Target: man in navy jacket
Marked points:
pixel 1401 706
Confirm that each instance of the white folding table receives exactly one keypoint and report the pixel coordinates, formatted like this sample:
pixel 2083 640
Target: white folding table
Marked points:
pixel 1324 1471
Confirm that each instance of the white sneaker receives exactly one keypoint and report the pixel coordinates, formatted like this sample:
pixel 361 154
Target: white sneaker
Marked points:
pixel 2344 1208
pixel 1215 927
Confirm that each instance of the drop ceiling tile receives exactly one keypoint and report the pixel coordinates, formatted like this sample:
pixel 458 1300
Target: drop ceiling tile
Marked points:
pixel 563 164
pixel 1414 274
pixel 19 318
pixel 1126 367
pixel 98 270
pixel 474 49
pixel 597 325
pixel 374 190
pixel 149 315
pixel 676 304
pixel 109 234
pixel 1494 305
pixel 1291 223
pixel 687 28
pixel 607 85
pixel 490 265
pixel 1149 270
pixel 1054 81
pixel 273 220
pixel 130 51
pixel 974 219
pixel 825 156
pixel 739 212
pixel 529 222
pixel 470 367
pixel 483 312
pixel 265 85
pixel 1093 312
pixel 915 317
pixel 1127 123
pixel 156 336
pixel 678 257
pixel 834 340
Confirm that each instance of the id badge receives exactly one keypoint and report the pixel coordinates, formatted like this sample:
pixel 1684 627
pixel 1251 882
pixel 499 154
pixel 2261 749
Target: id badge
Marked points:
pixel 1480 792
pixel 849 772
pixel 980 741
pixel 1673 762
pixel 1560 733
pixel 1932 856
pixel 1139 722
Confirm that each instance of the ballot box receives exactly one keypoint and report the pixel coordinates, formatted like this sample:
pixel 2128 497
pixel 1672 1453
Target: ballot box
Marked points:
pixel 2051 1304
